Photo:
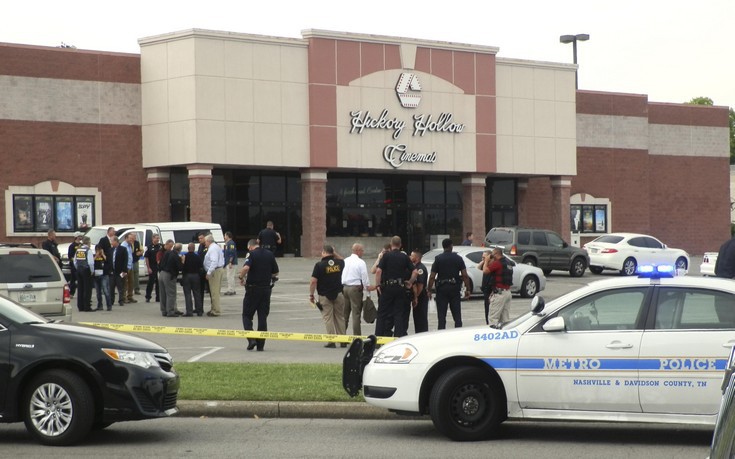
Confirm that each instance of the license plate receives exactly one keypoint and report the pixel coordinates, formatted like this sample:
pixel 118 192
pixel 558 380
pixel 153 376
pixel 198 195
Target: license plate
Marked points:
pixel 25 297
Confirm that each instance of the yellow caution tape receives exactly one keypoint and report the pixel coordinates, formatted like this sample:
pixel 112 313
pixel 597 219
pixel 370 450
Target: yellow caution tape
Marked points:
pixel 227 333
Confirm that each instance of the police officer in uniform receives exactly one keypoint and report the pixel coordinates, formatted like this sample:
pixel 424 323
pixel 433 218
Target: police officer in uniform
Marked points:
pixel 71 254
pixel 268 238
pixel 395 276
pixel 326 278
pixel 448 272
pixel 151 264
pixel 420 300
pixel 83 263
pixel 258 274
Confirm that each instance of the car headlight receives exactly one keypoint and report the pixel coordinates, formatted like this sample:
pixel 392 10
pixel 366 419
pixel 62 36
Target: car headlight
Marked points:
pixel 400 353
pixel 141 359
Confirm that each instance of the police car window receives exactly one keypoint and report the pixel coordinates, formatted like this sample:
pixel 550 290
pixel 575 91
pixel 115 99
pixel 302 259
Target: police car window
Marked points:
pixel 683 309
pixel 539 238
pixel 474 256
pixel 611 310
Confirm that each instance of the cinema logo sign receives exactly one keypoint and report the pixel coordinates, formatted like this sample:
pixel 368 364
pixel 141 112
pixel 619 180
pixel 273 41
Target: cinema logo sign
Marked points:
pixel 408 91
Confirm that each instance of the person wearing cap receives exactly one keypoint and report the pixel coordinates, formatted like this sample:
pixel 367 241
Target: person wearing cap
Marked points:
pixel 71 253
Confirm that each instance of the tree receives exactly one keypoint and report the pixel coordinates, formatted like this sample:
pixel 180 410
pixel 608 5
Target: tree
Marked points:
pixel 707 101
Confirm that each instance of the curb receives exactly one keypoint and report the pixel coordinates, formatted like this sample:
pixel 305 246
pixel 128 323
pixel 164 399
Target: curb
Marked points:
pixel 309 410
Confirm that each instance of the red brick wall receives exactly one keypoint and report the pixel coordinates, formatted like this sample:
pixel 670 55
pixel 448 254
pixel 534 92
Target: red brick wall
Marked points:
pixel 69 64
pixel 107 157
pixel 538 203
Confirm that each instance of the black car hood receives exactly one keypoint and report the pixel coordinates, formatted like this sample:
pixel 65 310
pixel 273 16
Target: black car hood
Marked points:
pixel 107 338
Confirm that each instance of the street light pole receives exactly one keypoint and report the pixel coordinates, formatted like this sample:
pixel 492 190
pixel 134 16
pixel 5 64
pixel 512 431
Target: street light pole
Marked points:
pixel 573 39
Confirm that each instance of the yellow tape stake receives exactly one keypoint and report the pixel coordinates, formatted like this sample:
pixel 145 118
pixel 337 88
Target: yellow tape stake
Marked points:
pixel 227 333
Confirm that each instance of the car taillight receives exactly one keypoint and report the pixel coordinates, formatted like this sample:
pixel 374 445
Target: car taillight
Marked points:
pixel 513 250
pixel 67 294
pixel 609 251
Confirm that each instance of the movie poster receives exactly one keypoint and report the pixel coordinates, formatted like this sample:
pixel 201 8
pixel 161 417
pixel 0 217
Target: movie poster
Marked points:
pixel 85 212
pixel 588 219
pixel 44 213
pixel 600 219
pixel 23 213
pixel 576 218
pixel 64 214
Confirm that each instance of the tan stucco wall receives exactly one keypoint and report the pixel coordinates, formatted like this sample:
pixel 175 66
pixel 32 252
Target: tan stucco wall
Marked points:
pixel 224 98
pixel 536 125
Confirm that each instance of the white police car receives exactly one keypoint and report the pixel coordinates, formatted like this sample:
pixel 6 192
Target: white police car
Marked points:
pixel 623 349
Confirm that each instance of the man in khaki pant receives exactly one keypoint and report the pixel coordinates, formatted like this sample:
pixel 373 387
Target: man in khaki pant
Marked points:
pixel 214 262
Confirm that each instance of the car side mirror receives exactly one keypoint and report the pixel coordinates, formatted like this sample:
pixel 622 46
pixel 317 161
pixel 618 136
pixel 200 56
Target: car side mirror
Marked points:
pixel 565 245
pixel 537 304
pixel 555 324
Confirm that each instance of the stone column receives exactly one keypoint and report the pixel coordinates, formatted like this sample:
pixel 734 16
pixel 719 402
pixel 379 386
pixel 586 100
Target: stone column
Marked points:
pixel 473 207
pixel 561 186
pixel 522 201
pixel 159 195
pixel 313 211
pixel 200 192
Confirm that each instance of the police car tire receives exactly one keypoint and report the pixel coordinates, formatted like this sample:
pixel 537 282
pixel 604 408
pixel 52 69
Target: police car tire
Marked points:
pixel 466 405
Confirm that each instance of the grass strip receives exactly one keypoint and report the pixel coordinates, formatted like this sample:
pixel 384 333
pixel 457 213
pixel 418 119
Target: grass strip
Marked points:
pixel 262 382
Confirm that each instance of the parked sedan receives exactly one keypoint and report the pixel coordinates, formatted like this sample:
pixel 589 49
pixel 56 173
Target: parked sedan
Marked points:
pixel 624 252
pixel 527 280
pixel 66 380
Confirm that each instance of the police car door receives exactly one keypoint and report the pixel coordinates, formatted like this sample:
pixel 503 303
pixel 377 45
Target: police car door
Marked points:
pixel 684 349
pixel 591 365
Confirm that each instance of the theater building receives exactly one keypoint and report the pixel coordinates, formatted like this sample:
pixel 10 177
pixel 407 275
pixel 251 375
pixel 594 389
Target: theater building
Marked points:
pixel 342 137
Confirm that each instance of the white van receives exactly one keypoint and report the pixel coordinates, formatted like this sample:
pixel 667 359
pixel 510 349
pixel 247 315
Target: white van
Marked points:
pixel 183 232
pixel 186 232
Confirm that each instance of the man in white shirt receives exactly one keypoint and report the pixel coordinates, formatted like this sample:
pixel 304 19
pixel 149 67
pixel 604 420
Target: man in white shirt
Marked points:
pixel 354 281
pixel 214 262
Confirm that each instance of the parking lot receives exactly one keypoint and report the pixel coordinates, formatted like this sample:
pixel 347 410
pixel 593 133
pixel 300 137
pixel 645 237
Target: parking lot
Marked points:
pixel 290 312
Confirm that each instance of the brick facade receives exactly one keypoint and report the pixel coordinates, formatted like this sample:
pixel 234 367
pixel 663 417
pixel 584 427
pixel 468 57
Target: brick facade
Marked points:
pixel 313 211
pixel 473 203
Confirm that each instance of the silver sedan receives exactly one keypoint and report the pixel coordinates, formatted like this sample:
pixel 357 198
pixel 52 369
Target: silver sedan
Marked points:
pixel 527 280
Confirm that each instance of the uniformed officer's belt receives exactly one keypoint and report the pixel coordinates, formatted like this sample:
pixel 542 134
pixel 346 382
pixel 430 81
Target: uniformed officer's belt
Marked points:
pixel 258 286
pixel 392 282
pixel 451 281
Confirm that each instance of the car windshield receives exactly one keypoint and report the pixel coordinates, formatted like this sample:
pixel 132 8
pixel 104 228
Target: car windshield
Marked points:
pixel 18 314
pixel 21 266
pixel 609 239
pixel 499 236
pixel 95 234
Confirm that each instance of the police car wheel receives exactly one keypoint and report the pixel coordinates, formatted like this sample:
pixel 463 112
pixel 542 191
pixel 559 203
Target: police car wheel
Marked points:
pixel 465 404
pixel 529 287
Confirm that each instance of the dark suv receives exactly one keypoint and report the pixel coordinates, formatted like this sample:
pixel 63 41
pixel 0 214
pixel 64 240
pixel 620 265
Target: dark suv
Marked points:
pixel 539 247
pixel 66 380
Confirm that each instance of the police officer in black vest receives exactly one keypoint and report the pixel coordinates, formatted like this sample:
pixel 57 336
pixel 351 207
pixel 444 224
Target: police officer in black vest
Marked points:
pixel 420 302
pixel 448 272
pixel 258 274
pixel 83 264
pixel 394 277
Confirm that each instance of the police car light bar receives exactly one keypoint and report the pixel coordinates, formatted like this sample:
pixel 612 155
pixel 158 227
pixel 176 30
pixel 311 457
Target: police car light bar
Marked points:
pixel 653 271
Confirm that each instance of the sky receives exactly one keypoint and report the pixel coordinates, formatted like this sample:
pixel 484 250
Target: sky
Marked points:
pixel 671 50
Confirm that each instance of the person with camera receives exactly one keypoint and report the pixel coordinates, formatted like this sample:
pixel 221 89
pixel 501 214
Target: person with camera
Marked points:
pixel 501 278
